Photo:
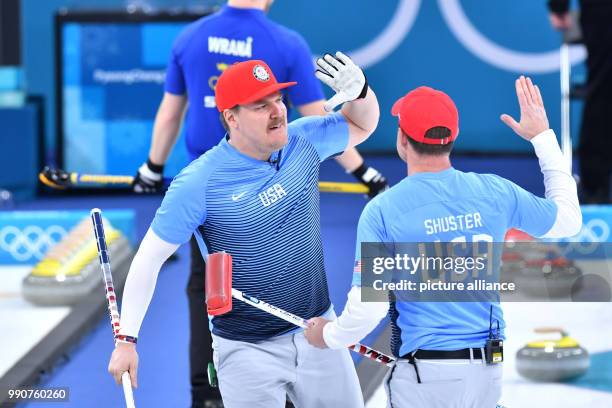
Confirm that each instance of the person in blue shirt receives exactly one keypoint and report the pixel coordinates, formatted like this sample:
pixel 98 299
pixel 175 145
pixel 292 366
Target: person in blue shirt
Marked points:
pixel 441 345
pixel 238 32
pixel 203 50
pixel 255 195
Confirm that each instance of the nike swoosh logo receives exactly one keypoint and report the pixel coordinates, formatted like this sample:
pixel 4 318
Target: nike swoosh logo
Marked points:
pixel 238 197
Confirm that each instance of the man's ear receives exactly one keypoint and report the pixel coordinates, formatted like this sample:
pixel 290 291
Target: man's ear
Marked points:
pixel 230 118
pixel 403 138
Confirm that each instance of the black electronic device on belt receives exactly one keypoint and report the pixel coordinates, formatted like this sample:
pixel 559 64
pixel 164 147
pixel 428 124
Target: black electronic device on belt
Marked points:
pixel 494 348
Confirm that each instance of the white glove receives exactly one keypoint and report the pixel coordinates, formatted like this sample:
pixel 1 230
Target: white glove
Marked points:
pixel 343 76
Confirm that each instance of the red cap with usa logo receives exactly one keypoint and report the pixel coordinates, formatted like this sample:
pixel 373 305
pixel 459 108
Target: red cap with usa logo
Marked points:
pixel 246 82
pixel 424 108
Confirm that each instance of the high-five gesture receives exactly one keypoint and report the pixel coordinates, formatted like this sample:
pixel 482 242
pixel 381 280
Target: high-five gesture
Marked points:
pixel 533 115
pixel 341 74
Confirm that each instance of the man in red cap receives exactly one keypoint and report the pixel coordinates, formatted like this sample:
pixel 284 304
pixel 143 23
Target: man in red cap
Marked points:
pixel 449 353
pixel 241 30
pixel 255 195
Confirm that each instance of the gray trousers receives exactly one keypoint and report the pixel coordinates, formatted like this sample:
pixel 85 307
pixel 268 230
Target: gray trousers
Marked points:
pixel 261 375
pixel 444 384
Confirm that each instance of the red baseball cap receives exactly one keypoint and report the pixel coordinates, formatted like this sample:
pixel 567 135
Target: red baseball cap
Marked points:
pixel 424 108
pixel 246 82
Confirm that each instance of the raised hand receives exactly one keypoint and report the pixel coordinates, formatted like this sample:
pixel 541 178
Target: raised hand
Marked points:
pixel 533 119
pixel 341 74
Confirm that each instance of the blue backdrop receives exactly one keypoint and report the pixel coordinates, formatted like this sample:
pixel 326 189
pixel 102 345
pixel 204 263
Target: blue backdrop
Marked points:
pixel 471 49
pixel 113 74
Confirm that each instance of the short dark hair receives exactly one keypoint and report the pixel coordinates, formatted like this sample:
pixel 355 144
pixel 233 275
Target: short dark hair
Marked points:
pixel 438 132
pixel 222 118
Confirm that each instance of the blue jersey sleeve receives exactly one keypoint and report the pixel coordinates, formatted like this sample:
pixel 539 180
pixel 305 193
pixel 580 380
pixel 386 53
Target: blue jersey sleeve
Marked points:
pixel 301 69
pixel 369 229
pixel 328 134
pixel 183 209
pixel 175 80
pixel 528 212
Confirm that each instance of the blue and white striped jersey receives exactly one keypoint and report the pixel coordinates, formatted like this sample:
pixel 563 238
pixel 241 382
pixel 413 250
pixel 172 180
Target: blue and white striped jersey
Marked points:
pixel 448 206
pixel 266 215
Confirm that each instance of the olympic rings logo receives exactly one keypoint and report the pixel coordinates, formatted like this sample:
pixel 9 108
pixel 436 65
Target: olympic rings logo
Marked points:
pixel 591 236
pixel 31 242
pixel 467 34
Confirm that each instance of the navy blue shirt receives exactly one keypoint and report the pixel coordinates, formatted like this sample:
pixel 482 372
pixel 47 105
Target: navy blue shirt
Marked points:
pixel 205 48
pixel 266 215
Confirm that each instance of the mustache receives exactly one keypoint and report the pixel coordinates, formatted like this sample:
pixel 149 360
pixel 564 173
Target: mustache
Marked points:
pixel 277 122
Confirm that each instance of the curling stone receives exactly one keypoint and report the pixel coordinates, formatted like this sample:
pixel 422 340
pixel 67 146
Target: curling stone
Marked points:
pixel 70 269
pixel 552 360
pixel 516 235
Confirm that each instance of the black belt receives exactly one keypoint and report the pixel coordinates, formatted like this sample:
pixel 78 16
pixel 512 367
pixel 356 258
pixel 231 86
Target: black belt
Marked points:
pixel 445 355
pixel 440 355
